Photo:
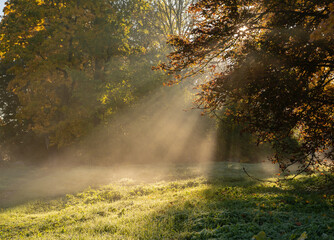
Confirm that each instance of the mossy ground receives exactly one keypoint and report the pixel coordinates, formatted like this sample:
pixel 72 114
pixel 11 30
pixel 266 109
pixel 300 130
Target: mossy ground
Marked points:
pixel 221 203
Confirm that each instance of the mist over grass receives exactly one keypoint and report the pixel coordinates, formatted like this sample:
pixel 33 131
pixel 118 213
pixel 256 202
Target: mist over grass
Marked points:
pixel 206 201
pixel 146 142
pixel 149 173
pixel 21 184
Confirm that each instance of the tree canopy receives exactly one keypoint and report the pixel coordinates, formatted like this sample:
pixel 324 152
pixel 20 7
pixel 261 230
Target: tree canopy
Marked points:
pixel 269 65
pixel 67 67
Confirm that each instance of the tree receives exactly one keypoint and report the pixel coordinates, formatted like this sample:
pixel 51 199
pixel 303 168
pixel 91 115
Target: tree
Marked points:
pixel 270 66
pixel 66 66
pixel 172 17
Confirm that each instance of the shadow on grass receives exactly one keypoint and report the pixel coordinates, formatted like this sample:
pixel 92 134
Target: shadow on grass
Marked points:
pixel 236 208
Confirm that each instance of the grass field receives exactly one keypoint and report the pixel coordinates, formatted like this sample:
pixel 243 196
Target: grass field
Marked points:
pixel 215 201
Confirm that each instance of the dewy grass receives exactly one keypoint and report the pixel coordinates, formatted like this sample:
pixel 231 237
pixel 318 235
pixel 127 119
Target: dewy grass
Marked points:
pixel 211 206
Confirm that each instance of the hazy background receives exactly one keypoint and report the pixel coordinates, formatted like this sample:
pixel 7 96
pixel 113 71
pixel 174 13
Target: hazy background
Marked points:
pixel 2 4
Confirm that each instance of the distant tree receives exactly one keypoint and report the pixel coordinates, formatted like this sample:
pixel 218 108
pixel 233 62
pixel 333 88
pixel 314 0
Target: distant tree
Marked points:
pixel 172 17
pixel 270 66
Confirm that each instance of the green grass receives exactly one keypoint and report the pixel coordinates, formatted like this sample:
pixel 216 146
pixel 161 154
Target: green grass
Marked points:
pixel 219 203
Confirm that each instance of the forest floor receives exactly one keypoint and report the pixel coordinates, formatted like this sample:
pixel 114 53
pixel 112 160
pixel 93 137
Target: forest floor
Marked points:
pixel 211 201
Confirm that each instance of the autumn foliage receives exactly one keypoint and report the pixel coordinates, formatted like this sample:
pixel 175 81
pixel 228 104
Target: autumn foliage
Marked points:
pixel 67 66
pixel 269 65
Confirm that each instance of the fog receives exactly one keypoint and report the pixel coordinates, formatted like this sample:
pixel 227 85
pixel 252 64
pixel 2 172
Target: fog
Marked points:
pixel 161 138
pixel 22 184
pixel 162 128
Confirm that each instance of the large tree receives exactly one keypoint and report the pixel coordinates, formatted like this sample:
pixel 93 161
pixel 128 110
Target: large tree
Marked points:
pixel 268 65
pixel 66 66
